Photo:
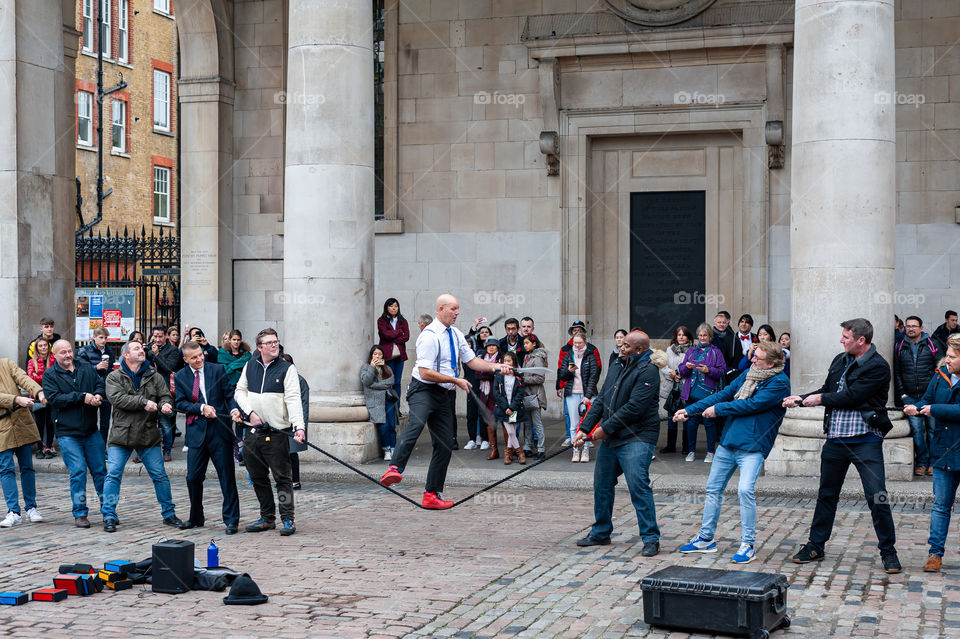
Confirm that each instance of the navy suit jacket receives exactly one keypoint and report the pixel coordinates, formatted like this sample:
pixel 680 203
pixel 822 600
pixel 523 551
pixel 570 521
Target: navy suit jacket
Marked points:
pixel 219 395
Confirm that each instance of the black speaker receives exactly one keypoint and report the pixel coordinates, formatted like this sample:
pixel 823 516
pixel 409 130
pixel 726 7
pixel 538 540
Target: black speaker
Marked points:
pixel 172 567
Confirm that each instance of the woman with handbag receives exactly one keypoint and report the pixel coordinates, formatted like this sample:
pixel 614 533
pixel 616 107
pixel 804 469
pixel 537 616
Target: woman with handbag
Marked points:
pixel 377 380
pixel 671 386
pixel 535 397
pixel 394 335
pixel 508 410
pixel 702 370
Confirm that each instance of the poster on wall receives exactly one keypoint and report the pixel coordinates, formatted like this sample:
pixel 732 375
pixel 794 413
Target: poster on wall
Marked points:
pixel 112 308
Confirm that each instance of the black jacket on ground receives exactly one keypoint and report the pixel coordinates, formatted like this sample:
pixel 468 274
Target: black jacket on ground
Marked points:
pixel 868 380
pixel 912 377
pixel 628 407
pixel 589 373
pixel 65 392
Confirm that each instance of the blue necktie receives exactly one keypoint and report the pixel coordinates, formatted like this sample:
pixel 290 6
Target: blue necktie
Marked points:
pixel 453 351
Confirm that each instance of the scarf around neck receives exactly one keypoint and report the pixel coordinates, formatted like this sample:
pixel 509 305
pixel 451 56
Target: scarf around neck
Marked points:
pixel 754 377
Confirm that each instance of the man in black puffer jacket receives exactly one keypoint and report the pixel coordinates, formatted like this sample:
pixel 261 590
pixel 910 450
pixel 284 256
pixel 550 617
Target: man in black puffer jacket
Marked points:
pixel 625 417
pixel 915 360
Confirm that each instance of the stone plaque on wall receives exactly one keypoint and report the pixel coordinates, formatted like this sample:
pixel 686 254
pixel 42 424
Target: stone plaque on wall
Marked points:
pixel 667 261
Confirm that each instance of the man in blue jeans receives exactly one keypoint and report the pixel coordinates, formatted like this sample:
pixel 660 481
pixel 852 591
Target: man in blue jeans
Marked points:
pixel 753 407
pixel 625 417
pixel 916 357
pixel 139 394
pixel 74 391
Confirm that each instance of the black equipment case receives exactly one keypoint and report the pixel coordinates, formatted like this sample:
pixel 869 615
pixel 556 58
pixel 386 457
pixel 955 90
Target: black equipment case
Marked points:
pixel 730 602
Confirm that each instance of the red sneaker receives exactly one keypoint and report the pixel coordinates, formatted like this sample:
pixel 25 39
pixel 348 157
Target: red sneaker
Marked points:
pixel 391 477
pixel 433 502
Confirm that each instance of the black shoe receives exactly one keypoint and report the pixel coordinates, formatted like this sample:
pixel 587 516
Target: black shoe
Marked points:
pixel 892 564
pixel 527 452
pixel 540 455
pixel 666 450
pixel 296 486
pixel 241 464
pixel 808 553
pixel 41 454
pixel 287 528
pixel 187 525
pixel 174 521
pixel 81 522
pixel 593 541
pixel 231 530
pixel 650 548
pixel 110 525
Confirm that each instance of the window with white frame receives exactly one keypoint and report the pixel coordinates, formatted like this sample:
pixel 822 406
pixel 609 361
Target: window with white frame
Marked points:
pixel 120 126
pixel 105 32
pixel 161 194
pixel 161 100
pixel 162 5
pixel 123 29
pixel 85 118
pixel 87 26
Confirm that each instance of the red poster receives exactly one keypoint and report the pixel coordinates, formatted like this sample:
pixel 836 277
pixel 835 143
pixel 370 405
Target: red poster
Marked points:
pixel 111 319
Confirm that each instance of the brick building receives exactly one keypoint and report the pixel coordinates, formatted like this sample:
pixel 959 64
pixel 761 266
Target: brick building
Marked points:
pixel 140 122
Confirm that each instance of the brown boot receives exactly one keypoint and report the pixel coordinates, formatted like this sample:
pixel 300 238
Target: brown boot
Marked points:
pixel 507 455
pixel 933 564
pixel 492 438
pixel 521 457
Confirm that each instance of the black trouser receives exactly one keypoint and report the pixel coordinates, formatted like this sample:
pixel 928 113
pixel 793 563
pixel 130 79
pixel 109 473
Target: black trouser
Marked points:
pixel 835 459
pixel 430 405
pixel 44 426
pixel 220 451
pixel 263 451
pixel 295 467
pixel 473 414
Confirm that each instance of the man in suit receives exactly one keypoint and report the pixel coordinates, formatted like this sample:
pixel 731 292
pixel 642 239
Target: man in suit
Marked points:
pixel 203 392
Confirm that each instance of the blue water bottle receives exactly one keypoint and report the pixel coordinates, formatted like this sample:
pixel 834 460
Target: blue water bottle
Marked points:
pixel 213 555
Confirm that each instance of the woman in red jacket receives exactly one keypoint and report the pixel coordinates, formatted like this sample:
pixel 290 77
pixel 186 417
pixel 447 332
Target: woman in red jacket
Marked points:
pixel 394 335
pixel 41 361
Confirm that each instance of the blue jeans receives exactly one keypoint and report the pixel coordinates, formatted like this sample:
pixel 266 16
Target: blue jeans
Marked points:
pixel 388 435
pixel 166 431
pixel 571 405
pixel 152 459
pixel 709 426
pixel 725 462
pixel 632 460
pixel 396 367
pixel 79 454
pixel 945 484
pixel 920 428
pixel 28 480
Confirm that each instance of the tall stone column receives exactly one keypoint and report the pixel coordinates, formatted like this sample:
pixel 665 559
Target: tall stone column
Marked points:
pixel 328 310
pixel 843 207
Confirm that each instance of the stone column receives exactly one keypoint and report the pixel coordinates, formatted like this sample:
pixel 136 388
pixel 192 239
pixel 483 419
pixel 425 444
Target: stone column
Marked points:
pixel 328 311
pixel 843 208
pixel 206 178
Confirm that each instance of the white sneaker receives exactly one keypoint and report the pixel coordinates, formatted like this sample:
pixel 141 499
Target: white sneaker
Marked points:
pixel 576 455
pixel 690 457
pixel 566 442
pixel 479 441
pixel 585 455
pixel 708 459
pixel 484 445
pixel 388 455
pixel 185 449
pixel 470 445
pixel 33 516
pixel 11 520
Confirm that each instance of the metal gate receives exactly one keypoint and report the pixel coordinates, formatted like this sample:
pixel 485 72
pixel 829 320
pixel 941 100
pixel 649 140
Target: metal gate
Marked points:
pixel 148 263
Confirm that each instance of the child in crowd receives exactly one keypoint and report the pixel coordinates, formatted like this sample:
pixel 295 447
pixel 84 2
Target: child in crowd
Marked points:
pixel 508 408
pixel 484 390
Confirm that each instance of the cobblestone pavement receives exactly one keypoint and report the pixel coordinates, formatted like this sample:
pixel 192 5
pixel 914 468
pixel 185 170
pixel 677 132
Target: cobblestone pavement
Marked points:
pixel 365 564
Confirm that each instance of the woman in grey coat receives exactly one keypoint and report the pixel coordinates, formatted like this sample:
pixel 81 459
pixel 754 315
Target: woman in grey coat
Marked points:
pixel 376 379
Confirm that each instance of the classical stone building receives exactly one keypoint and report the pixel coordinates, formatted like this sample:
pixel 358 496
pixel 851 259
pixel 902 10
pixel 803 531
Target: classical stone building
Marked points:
pixel 622 162
pixel 139 121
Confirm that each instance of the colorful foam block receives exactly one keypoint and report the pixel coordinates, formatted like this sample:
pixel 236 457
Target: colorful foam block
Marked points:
pixel 72 583
pixel 108 576
pixel 13 598
pixel 120 565
pixel 120 584
pixel 50 594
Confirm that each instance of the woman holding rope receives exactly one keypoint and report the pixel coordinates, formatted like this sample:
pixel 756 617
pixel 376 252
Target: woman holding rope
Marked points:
pixel 430 397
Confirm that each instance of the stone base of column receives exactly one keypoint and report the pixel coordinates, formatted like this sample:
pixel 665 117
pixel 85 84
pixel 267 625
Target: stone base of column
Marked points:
pixel 796 452
pixel 353 442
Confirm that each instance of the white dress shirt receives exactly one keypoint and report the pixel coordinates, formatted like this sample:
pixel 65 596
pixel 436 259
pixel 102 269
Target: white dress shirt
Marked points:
pixel 433 351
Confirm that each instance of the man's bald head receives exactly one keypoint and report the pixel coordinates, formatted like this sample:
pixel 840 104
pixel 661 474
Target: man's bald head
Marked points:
pixel 634 343
pixel 59 345
pixel 63 353
pixel 448 308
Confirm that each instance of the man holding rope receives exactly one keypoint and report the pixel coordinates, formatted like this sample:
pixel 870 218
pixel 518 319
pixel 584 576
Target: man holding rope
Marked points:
pixel 203 393
pixel 440 347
